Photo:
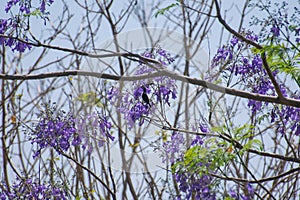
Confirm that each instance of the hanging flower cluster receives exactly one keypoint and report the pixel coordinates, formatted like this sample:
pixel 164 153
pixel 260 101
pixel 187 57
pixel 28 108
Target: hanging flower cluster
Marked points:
pixel 16 26
pixel 30 189
pixel 250 71
pixel 60 130
pixel 141 100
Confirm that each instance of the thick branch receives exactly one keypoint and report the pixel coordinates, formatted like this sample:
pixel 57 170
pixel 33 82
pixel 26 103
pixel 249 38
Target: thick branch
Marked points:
pixel 263 54
pixel 194 81
pixel 294 170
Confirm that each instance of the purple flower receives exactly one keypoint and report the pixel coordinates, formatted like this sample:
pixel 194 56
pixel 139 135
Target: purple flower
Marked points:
pixel 64 144
pixel 203 128
pixel 8 6
pixel 2 40
pixel 245 197
pixel 138 92
pixel 233 194
pixel 223 54
pixel 234 41
pixel 173 147
pixel 17 25
pixel 141 100
pixel 250 189
pixel 197 141
pixel 54 131
pixel 25 9
pixel 10 42
pixel 251 36
pixel 43 6
pixel 193 184
pixel 3 25
pixel 92 127
pixel 29 189
pixel 275 30
pixel 113 95
pixel 21 47
pixel 59 130
pixel 165 56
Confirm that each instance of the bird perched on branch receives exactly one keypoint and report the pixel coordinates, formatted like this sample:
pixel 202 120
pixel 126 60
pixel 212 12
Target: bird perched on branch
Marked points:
pixel 145 96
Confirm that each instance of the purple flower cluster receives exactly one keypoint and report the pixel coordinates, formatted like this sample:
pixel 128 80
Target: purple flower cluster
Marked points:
pixel 226 53
pixel 194 186
pixel 280 24
pixel 189 172
pixel 139 101
pixel 60 130
pixel 284 116
pixel 92 128
pixel 10 25
pixel 162 87
pixel 174 148
pixel 24 6
pixel 28 189
pixel 248 196
pixel 250 71
pixel 16 27
pixel 134 109
pixel 193 182
pixel 297 34
pixel 53 130
pixel 276 31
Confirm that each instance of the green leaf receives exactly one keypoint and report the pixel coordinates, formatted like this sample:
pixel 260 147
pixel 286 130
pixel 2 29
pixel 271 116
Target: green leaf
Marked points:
pixel 163 10
pixel 253 144
pixel 36 13
pixel 284 59
pixel 90 98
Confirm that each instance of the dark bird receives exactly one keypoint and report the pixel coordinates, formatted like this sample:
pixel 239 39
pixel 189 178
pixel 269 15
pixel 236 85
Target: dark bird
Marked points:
pixel 145 96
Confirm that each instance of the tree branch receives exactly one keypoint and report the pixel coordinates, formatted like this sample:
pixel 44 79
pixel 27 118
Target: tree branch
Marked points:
pixel 194 81
pixel 263 54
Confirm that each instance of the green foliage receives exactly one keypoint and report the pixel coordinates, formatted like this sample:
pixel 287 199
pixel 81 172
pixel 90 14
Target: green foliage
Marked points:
pixel 90 99
pixel 243 135
pixel 163 10
pixel 36 13
pixel 229 198
pixel 205 158
pixel 283 58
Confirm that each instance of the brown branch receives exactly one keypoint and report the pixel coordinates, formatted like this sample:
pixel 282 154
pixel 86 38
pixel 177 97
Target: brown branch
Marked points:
pixel 194 81
pixel 263 54
pixel 259 180
pixel 90 172
pixel 237 144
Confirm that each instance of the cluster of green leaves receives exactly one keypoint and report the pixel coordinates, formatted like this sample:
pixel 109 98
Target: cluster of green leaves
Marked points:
pixel 282 50
pixel 284 58
pixel 163 10
pixel 90 99
pixel 204 159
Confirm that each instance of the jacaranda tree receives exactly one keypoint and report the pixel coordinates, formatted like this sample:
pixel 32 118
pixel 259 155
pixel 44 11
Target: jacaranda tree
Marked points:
pixel 150 99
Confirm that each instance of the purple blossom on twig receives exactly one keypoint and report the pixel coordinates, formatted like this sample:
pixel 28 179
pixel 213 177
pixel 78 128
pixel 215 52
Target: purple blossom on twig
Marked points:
pixel 251 72
pixel 30 189
pixel 59 130
pixel 140 101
